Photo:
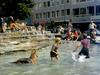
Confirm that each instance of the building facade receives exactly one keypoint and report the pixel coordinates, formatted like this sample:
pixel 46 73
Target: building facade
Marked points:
pixel 79 11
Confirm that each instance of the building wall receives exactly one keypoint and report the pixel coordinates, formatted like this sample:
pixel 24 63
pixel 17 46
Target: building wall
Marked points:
pixel 63 10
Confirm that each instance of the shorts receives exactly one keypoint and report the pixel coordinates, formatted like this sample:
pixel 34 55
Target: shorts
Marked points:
pixel 52 54
pixel 84 51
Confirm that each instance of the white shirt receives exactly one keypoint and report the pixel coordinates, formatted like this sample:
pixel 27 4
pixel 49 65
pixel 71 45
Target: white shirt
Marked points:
pixel 92 26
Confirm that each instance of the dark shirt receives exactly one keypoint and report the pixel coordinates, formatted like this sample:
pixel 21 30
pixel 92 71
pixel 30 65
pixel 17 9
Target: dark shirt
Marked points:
pixel 54 48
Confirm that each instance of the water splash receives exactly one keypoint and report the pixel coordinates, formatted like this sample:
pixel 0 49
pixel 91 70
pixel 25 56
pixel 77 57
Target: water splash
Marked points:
pixel 80 59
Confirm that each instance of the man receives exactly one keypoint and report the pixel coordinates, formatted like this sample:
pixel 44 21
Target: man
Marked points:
pixel 85 46
pixel 70 26
pixel 92 27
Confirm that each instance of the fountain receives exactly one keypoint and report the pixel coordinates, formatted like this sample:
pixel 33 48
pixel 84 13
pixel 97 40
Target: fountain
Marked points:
pixel 64 66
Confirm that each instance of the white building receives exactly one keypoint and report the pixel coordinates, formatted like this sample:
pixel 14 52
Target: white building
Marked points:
pixel 80 11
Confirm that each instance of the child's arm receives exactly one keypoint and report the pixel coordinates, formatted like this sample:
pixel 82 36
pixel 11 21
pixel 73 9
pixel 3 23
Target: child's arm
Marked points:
pixel 55 52
pixel 36 55
pixel 78 45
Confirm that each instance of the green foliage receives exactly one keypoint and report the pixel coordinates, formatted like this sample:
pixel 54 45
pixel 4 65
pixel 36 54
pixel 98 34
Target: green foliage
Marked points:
pixel 18 8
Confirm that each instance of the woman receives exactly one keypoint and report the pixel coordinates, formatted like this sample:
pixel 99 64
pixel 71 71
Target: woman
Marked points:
pixel 12 26
pixel 75 35
pixel 54 50
pixel 69 35
pixel 4 27
pixel 85 49
pixel 32 59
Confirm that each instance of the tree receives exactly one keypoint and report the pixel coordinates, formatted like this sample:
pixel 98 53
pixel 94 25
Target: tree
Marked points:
pixel 18 8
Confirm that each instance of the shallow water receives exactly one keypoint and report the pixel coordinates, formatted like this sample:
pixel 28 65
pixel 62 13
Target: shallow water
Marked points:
pixel 64 66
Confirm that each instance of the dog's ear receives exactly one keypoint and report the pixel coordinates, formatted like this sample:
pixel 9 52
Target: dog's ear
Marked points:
pixel 34 51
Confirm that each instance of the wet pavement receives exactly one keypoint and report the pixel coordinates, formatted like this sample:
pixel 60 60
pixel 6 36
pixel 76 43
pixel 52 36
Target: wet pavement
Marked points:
pixel 64 66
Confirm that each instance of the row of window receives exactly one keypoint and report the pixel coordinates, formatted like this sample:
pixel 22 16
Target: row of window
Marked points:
pixel 89 10
pixel 53 14
pixel 76 12
pixel 57 2
pixel 54 2
pixel 50 3
pixel 83 0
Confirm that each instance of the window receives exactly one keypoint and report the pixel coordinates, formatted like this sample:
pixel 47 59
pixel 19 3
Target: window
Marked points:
pixel 57 12
pixel 77 1
pixel 68 12
pixel 57 2
pixel 53 14
pixel 98 10
pixel 37 16
pixel 40 5
pixel 82 11
pixel 48 14
pixel 44 4
pixel 62 12
pixel 52 2
pixel 90 10
pixel 48 3
pixel 62 1
pixel 67 1
pixel 76 11
pixel 90 0
pixel 82 0
pixel 44 15
pixel 40 15
pixel 36 6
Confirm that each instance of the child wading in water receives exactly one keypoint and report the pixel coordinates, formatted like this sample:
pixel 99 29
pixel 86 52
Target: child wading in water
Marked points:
pixel 54 50
pixel 32 59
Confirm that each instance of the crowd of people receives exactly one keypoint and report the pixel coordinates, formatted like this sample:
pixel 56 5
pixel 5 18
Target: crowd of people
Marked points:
pixel 8 23
pixel 5 22
pixel 84 42
pixel 54 52
pixel 75 34
pixel 71 34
